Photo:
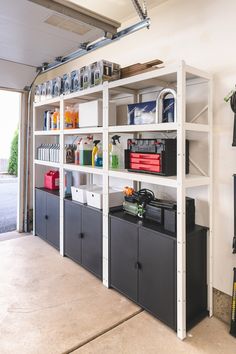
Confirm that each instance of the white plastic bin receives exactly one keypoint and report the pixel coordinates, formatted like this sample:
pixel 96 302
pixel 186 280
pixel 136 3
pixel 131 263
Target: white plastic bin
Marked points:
pixel 94 198
pixel 79 194
pixel 91 113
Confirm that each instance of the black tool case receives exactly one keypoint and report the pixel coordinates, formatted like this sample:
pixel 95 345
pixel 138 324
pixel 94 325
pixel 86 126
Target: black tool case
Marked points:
pixel 145 152
pixel 164 213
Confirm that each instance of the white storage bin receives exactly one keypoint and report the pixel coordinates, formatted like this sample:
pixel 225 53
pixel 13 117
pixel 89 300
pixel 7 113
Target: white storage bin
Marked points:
pixel 79 194
pixel 94 198
pixel 91 113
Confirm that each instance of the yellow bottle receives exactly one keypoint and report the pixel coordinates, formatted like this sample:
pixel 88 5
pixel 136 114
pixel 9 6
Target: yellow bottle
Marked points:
pixel 95 149
pixel 68 118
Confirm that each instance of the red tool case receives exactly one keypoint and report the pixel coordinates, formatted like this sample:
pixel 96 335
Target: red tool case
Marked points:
pixel 145 162
pixel 156 156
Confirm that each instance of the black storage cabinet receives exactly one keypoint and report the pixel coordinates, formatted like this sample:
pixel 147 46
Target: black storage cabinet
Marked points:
pixel 47 216
pixel 73 230
pixel 143 262
pixel 83 235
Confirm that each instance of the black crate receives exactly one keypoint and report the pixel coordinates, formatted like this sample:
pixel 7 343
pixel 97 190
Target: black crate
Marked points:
pixel 170 217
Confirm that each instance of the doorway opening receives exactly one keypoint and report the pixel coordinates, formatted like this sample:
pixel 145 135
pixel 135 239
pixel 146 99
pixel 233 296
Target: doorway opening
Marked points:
pixel 10 106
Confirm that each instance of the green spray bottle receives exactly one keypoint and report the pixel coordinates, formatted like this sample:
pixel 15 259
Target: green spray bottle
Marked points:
pixel 114 155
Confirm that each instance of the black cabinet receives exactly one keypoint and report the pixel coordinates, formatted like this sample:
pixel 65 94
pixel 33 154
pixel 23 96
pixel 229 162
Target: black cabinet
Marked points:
pixel 124 255
pixel 83 235
pixel 73 230
pixel 143 263
pixel 47 216
pixel 40 213
pixel 157 274
pixel 92 240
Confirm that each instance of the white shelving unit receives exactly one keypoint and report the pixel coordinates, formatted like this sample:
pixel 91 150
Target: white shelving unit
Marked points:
pixel 179 76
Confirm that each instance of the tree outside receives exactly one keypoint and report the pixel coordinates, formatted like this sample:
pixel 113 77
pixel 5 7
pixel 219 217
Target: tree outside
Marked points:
pixel 13 160
pixel 9 118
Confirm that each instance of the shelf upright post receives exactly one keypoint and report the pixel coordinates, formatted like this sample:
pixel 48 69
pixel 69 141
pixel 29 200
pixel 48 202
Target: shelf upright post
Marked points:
pixel 210 198
pixel 105 251
pixel 34 174
pixel 181 218
pixel 62 177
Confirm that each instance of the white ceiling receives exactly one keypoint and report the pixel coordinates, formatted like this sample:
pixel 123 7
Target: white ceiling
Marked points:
pixel 26 38
pixel 119 10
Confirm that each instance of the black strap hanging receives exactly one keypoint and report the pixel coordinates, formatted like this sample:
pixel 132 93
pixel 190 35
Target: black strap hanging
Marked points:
pixel 233 107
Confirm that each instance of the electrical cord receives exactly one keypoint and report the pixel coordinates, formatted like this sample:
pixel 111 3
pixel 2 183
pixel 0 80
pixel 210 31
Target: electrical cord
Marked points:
pixel 233 107
pixel 145 196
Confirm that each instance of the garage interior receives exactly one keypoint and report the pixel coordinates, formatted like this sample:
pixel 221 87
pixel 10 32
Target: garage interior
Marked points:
pixel 109 255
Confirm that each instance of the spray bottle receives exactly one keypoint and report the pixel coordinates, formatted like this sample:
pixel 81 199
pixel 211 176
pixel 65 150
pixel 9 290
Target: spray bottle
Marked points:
pixel 77 162
pixel 99 156
pixel 114 155
pixel 95 149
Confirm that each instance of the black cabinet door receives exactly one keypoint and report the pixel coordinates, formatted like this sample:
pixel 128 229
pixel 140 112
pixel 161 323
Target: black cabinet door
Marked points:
pixel 196 276
pixel 92 240
pixel 124 256
pixel 40 213
pixel 72 230
pixel 157 275
pixel 53 219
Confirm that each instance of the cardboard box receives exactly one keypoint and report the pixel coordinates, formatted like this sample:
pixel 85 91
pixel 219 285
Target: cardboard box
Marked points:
pixel 91 114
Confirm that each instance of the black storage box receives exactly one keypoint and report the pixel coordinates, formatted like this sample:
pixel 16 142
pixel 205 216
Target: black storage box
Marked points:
pixel 154 213
pixel 170 217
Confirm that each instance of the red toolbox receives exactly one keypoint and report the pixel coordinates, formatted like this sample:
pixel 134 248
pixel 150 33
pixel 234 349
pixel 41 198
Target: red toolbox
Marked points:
pixel 158 156
pixel 145 167
pixel 145 162
pixel 51 180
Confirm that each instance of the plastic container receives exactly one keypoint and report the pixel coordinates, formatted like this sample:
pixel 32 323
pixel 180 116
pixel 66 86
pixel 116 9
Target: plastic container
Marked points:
pixel 48 120
pixel 75 117
pixel 94 151
pixel 68 118
pixel 79 194
pixel 68 183
pixel 99 156
pixel 91 114
pixel 85 151
pixel 77 151
pixel 55 120
pixel 51 180
pixel 115 153
pixel 95 197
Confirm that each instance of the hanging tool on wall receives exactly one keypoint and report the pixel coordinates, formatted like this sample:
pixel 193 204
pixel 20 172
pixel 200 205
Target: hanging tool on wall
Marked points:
pixel 233 311
pixel 232 98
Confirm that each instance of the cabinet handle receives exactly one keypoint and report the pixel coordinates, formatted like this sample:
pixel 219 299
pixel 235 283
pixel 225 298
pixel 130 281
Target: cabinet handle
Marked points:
pixel 46 217
pixel 138 265
pixel 81 235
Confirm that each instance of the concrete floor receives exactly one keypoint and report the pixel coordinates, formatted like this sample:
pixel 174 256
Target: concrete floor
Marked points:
pixel 8 205
pixel 143 334
pixel 50 305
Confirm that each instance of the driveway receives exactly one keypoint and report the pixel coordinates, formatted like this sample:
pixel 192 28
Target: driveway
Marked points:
pixel 8 204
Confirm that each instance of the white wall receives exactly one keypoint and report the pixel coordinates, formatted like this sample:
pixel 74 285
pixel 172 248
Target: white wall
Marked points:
pixel 202 33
